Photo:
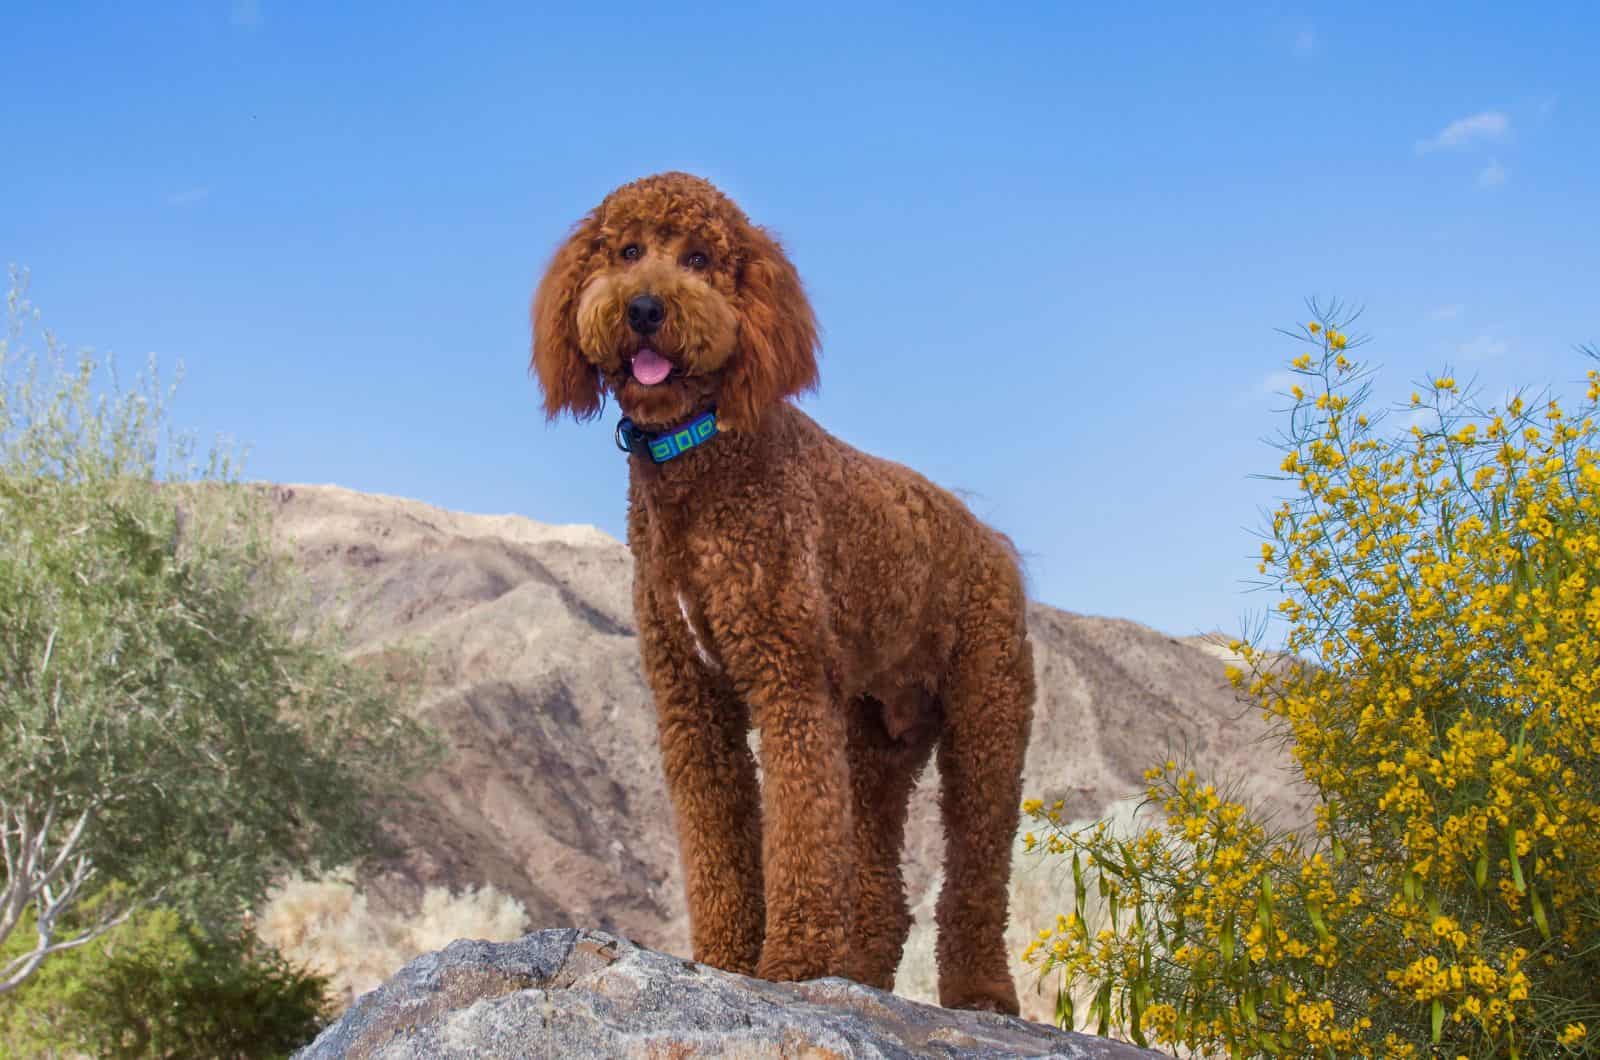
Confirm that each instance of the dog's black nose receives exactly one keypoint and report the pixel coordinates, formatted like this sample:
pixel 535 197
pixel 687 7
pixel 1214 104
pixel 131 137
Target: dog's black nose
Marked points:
pixel 645 314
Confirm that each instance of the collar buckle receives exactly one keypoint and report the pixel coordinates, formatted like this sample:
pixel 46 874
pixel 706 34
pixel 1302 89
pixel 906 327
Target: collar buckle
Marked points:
pixel 630 439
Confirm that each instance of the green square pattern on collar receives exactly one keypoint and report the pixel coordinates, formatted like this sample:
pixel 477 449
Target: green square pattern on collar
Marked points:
pixel 664 447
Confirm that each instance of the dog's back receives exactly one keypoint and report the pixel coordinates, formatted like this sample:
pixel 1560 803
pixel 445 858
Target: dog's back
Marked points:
pixel 903 561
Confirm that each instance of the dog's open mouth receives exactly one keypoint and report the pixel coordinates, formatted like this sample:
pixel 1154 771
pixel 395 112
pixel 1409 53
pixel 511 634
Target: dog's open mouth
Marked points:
pixel 651 368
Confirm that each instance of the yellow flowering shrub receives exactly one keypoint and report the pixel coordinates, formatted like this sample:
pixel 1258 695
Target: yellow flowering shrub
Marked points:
pixel 1441 695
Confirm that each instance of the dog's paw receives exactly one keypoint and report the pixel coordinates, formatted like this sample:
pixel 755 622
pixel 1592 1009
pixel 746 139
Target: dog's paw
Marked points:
pixel 997 997
pixel 791 968
pixel 740 960
pixel 989 1004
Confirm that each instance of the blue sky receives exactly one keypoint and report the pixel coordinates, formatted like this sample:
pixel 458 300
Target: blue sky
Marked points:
pixel 1048 244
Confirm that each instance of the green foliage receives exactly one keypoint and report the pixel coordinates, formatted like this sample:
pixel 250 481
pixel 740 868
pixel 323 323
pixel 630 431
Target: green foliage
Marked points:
pixel 156 986
pixel 158 672
pixel 1442 590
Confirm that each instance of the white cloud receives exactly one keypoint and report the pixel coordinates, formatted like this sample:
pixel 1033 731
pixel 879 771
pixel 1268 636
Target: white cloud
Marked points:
pixel 1492 175
pixel 1305 42
pixel 188 197
pixel 1446 312
pixel 1276 384
pixel 1482 348
pixel 1491 125
pixel 1426 418
pixel 246 13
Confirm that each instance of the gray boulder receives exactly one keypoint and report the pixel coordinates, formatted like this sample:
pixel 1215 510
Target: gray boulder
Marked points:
pixel 572 993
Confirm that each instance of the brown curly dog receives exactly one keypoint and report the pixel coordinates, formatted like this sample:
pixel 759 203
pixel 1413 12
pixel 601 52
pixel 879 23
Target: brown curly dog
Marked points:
pixel 854 612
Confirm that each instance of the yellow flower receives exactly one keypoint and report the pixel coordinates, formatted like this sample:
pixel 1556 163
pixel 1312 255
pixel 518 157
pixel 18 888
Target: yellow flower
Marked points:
pixel 1436 687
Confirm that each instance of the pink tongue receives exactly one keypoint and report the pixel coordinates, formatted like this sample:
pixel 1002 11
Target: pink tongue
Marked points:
pixel 649 367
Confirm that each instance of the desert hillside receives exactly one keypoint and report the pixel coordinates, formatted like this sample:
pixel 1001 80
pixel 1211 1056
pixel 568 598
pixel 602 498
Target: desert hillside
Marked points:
pixel 552 791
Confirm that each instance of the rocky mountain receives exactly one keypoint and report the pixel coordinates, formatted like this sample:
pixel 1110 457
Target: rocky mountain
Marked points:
pixel 552 791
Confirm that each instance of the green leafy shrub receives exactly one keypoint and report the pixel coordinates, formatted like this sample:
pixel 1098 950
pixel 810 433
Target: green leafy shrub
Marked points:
pixel 1442 696
pixel 156 986
pixel 170 720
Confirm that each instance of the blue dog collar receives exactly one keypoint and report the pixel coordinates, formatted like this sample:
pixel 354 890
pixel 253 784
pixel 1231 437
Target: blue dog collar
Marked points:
pixel 665 446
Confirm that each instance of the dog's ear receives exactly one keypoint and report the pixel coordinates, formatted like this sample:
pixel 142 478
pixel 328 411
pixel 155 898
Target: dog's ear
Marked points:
pixel 777 354
pixel 570 382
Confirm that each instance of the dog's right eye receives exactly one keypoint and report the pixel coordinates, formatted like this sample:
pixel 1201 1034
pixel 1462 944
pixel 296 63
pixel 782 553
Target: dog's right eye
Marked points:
pixel 631 252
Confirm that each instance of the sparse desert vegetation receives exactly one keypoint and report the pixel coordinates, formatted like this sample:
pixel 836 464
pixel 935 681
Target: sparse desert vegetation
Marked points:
pixel 327 925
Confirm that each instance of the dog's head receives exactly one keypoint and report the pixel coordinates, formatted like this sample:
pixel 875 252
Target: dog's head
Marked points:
pixel 670 298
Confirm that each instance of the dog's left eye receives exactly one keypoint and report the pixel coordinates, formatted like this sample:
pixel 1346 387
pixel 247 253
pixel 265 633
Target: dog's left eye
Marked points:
pixel 697 261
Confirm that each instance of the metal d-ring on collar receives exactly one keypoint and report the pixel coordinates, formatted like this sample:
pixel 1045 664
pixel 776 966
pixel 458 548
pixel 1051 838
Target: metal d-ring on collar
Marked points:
pixel 668 444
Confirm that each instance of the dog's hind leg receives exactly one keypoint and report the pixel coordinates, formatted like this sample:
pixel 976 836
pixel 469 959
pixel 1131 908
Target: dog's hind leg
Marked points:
pixel 988 711
pixel 883 772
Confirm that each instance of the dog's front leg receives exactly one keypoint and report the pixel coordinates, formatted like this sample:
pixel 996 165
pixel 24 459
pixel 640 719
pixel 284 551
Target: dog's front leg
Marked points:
pixel 772 645
pixel 806 849
pixel 711 776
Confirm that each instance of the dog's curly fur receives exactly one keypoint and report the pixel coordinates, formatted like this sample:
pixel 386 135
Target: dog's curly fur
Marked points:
pixel 854 612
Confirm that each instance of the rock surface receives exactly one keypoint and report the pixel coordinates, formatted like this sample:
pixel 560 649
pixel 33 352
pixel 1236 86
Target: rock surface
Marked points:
pixel 552 790
pixel 572 994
